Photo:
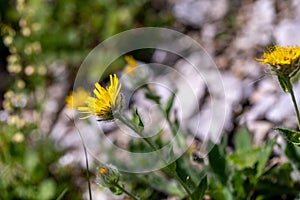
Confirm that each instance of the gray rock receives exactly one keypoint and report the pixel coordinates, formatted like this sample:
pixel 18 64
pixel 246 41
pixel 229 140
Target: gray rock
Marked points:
pixel 258 29
pixel 287 32
pixel 196 13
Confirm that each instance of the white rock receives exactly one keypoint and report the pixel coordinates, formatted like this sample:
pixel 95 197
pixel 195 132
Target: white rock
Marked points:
pixel 196 13
pixel 259 27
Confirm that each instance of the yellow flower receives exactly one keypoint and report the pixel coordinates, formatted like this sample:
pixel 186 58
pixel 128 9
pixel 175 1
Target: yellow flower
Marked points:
pixel 105 101
pixel 282 59
pixel 76 99
pixel 102 170
pixel 131 64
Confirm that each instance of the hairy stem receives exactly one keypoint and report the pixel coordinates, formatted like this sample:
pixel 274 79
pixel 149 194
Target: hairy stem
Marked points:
pixel 294 101
pixel 127 192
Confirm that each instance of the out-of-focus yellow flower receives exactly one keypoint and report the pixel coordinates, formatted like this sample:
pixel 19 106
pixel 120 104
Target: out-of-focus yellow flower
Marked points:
pixel 131 64
pixel 105 102
pixel 282 59
pixel 18 137
pixel 16 120
pixel 135 73
pixel 102 170
pixel 77 98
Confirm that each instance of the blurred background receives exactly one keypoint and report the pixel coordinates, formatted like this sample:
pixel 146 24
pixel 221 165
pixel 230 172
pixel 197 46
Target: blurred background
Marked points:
pixel 44 42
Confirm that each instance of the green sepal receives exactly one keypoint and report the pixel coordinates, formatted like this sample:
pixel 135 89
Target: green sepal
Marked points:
pixel 284 83
pixel 291 135
pixel 116 190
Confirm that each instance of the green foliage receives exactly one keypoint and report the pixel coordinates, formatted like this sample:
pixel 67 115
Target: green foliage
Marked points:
pixel 35 36
pixel 249 176
pixel 32 171
pixel 290 135
pixel 284 83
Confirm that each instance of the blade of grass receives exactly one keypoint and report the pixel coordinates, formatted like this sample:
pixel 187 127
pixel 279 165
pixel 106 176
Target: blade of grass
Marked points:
pixel 62 194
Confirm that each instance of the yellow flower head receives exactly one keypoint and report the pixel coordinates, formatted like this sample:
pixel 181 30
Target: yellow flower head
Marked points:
pixel 108 176
pixel 105 101
pixel 77 98
pixel 282 59
pixel 102 170
pixel 131 64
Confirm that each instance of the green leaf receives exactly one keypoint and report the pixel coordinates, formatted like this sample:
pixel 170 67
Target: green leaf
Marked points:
pixel 162 183
pixel 243 140
pixel 293 153
pixel 281 175
pixel 263 156
pixel 277 182
pixel 239 180
pixel 244 159
pixel 290 135
pixel 284 84
pixel 170 169
pixel 187 173
pixel 169 104
pixel 153 97
pixel 248 158
pixel 221 194
pixel 136 118
pixel 218 163
pixel 200 190
pixel 47 189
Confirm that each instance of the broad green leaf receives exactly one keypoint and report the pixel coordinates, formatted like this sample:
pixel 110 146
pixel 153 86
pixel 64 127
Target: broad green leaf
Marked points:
pixel 281 175
pixel 47 189
pixel 243 140
pixel 200 190
pixel 221 194
pixel 284 84
pixel 187 173
pixel 293 153
pixel 218 163
pixel 161 183
pixel 244 159
pixel 248 158
pixel 223 145
pixel 290 135
pixel 170 169
pixel 263 156
pixel 238 182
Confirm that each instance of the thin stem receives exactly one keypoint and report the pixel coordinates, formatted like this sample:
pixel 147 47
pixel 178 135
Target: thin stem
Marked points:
pixel 87 167
pixel 131 126
pixel 127 192
pixel 295 106
pixel 86 159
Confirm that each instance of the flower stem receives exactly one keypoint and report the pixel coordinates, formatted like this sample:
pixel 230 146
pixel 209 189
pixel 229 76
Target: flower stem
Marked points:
pixel 153 147
pixel 86 159
pixel 132 127
pixel 295 105
pixel 127 192
pixel 87 167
